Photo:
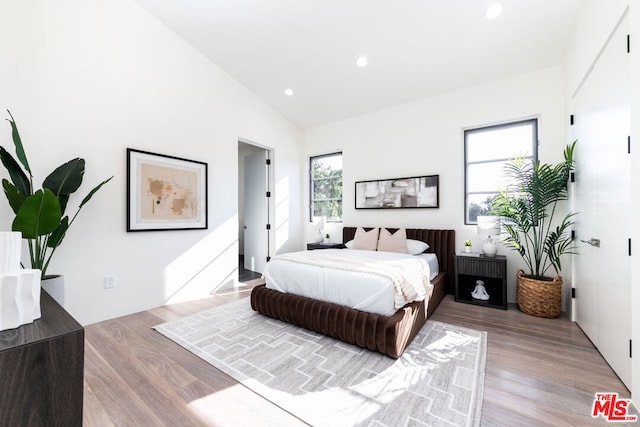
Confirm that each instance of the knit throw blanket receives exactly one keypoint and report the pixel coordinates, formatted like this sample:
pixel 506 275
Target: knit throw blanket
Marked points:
pixel 409 276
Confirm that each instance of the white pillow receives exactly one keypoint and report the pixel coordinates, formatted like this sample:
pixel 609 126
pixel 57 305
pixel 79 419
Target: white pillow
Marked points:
pixel 396 242
pixel 365 240
pixel 416 247
pixel 349 244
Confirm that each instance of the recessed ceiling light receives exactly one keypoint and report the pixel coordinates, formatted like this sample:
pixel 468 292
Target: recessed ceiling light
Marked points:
pixel 288 91
pixel 493 11
pixel 362 62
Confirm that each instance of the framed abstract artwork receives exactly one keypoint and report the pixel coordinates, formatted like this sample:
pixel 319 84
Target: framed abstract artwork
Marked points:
pixel 413 192
pixel 165 192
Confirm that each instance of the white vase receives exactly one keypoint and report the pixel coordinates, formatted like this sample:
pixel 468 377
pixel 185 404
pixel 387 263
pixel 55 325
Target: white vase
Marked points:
pixel 19 298
pixel 10 251
pixel 489 248
pixel 9 314
pixel 19 289
pixel 28 295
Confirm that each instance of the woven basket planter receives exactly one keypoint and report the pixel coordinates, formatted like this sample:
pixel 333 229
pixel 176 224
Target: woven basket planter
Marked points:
pixel 539 298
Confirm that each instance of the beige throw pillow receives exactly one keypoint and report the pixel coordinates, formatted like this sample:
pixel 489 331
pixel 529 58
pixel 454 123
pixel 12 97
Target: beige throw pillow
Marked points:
pixel 365 240
pixel 396 242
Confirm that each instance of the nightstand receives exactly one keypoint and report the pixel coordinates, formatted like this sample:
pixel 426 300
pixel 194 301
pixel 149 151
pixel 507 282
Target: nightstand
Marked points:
pixel 323 245
pixel 42 368
pixel 491 270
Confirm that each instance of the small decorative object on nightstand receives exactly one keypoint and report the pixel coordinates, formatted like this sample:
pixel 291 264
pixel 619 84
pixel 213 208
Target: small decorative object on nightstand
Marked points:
pixel 481 280
pixel 479 292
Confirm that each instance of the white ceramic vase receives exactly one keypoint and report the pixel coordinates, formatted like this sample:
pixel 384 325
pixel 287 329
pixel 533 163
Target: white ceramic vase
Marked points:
pixel 19 288
pixel 489 248
pixel 10 251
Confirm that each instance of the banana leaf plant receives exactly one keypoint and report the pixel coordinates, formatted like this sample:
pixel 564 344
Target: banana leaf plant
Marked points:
pixel 40 215
pixel 528 212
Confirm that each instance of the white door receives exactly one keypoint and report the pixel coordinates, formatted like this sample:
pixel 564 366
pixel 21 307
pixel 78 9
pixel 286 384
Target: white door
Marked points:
pixel 603 273
pixel 256 216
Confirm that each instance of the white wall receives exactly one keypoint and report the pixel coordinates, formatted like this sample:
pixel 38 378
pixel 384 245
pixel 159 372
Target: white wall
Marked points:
pixel 90 78
pixel 594 23
pixel 426 137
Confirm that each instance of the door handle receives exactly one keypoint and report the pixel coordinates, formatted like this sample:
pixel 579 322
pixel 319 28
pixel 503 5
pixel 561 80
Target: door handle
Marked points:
pixel 592 242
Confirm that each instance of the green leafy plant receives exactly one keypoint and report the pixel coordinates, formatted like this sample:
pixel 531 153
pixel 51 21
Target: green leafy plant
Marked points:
pixel 528 212
pixel 40 215
pixel 467 242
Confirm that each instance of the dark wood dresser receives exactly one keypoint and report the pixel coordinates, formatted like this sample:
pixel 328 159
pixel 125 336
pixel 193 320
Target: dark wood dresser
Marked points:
pixel 41 370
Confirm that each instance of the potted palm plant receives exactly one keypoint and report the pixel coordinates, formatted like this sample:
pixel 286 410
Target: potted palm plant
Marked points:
pixel 40 214
pixel 528 210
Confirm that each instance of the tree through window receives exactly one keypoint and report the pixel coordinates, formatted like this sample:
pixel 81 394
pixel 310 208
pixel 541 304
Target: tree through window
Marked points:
pixel 486 151
pixel 326 187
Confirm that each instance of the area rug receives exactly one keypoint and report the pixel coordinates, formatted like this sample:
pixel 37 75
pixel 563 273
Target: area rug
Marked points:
pixel 438 381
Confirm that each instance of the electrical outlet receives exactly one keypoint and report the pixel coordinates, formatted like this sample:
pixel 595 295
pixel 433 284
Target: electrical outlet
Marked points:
pixel 109 282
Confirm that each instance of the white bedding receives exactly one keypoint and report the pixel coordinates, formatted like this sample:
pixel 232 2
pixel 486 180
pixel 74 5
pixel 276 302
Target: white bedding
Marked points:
pixel 355 289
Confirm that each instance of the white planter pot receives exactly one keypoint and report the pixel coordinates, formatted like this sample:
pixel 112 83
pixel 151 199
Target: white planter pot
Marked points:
pixel 54 285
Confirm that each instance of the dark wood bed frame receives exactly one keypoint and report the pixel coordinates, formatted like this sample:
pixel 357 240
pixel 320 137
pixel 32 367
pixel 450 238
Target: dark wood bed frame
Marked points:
pixel 389 335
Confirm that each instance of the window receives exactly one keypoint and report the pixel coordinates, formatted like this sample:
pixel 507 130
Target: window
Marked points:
pixel 326 186
pixel 486 151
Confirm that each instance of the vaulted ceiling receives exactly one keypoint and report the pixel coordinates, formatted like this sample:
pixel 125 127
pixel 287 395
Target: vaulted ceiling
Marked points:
pixel 414 48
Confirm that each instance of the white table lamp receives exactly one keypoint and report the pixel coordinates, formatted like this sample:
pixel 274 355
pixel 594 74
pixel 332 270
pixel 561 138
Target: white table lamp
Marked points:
pixel 489 226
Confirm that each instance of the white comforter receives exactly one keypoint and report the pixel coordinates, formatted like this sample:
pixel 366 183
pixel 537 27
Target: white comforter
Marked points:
pixel 376 282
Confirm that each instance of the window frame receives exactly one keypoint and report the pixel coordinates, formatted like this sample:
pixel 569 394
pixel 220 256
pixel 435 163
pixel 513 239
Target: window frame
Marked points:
pixel 312 180
pixel 505 125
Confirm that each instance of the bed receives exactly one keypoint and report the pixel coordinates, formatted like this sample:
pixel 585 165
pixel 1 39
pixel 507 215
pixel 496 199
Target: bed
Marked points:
pixel 387 334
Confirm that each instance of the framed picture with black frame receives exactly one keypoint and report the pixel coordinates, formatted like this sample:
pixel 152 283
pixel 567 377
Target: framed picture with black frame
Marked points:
pixel 412 192
pixel 165 192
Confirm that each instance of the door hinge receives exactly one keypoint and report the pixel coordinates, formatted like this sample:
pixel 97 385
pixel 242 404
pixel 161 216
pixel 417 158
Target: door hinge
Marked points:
pixel 628 43
pixel 571 121
pixel 268 258
pixel 630 349
pixel 573 234
pixel 629 246
pixel 268 193
pixel 573 292
pixel 572 177
pixel 629 144
pixel 268 161
pixel 268 226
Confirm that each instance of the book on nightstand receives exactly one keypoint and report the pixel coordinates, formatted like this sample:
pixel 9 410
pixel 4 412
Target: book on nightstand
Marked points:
pixel 469 254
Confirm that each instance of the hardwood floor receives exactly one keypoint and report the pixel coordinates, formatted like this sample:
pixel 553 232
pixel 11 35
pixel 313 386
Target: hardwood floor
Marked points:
pixel 539 372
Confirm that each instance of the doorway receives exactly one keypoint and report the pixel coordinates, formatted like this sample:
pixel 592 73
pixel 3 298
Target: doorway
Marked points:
pixel 253 209
pixel 603 177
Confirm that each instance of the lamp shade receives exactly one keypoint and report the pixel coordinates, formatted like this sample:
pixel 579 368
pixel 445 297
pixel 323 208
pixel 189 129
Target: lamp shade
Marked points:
pixel 488 225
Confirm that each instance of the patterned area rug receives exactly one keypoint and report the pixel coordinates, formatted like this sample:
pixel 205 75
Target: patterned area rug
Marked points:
pixel 438 381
